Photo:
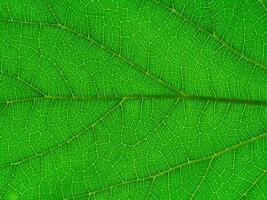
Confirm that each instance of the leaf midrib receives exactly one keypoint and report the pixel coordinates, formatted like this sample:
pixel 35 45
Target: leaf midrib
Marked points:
pixel 140 69
pixel 139 97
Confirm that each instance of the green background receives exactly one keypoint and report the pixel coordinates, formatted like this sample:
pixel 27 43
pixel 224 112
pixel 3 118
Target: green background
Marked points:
pixel 145 99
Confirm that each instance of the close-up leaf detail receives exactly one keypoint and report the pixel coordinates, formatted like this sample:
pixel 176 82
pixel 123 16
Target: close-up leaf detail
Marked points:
pixel 133 99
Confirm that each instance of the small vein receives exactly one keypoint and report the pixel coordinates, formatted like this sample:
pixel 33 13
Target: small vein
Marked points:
pixel 101 46
pixel 253 184
pixel 202 179
pixel 123 98
pixel 3 109
pixel 123 58
pixel 8 181
pixel 150 188
pixel 263 4
pixel 68 141
pixel 51 11
pixel 160 124
pixel 214 36
pixel 211 16
pixel 58 23
pixel 172 169
pixel 24 82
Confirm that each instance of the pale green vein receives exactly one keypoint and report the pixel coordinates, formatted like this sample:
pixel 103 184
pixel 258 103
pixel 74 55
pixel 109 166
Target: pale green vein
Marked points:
pixel 8 181
pixel 211 16
pixel 62 75
pixel 179 95
pixel 66 142
pixel 202 179
pixel 24 82
pixel 3 109
pixel 51 11
pixel 253 184
pixel 172 169
pixel 150 188
pixel 263 4
pixel 160 124
pixel 58 23
pixel 214 36
pixel 101 46
pixel 123 58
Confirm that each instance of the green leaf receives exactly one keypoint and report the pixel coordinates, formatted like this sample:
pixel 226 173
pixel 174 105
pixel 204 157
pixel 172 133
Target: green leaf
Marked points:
pixel 144 99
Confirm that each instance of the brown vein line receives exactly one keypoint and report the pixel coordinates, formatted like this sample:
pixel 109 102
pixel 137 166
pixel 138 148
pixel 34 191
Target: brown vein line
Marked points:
pixel 214 36
pixel 253 184
pixel 68 141
pixel 141 97
pixel 172 169
pixel 146 73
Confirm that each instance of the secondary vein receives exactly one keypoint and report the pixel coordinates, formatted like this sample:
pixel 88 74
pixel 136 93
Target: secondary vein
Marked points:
pixel 174 168
pixel 214 36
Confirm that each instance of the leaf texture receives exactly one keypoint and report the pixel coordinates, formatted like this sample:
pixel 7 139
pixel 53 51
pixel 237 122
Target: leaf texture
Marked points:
pixel 145 99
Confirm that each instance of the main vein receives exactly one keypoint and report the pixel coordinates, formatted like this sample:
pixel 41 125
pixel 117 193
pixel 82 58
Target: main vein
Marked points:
pixel 139 97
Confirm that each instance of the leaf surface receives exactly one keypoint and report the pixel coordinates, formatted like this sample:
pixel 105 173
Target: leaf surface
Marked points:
pixel 133 99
